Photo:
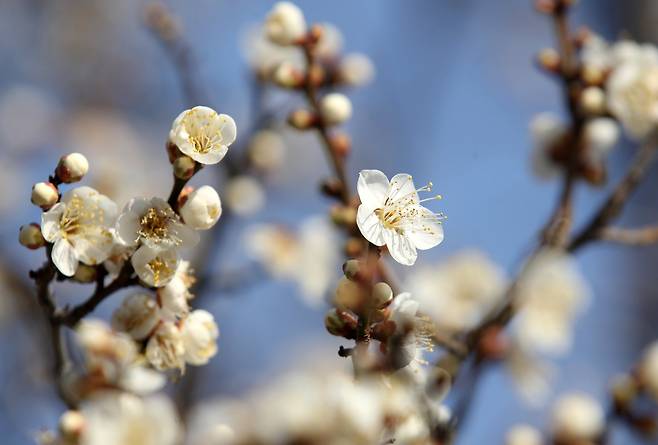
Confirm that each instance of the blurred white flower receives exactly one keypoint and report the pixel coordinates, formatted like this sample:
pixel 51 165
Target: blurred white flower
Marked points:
pixel 155 267
pixel 165 349
pixel 244 195
pixel 285 24
pixel 550 293
pixel 137 316
pixel 523 435
pixel 577 418
pixel 203 134
pixel 113 418
pixel 546 130
pixel 648 370
pixel 532 375
pixel 390 214
pixel 200 334
pixel 331 42
pixel 202 208
pixel 263 55
pixel 174 296
pixel 306 257
pixel 267 150
pixel 601 135
pixel 154 224
pixel 356 70
pixel 335 108
pixel 459 292
pixel 79 227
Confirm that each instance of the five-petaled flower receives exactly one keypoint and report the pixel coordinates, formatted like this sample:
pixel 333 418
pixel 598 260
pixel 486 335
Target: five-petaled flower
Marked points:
pixel 203 134
pixel 79 227
pixel 391 214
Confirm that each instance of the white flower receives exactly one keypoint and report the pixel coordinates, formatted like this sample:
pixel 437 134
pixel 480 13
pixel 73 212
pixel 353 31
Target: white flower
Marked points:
pixel 174 296
pixel 331 42
pixel 335 108
pixel 633 97
pixel 267 150
pixel 200 334
pixel 306 256
pixel 79 227
pixel 459 292
pixel 549 295
pixel 155 267
pixel 137 316
pixel 244 195
pixel 413 332
pixel 577 417
pixel 390 214
pixel 356 70
pixel 523 435
pixel 264 56
pixel 202 208
pixel 285 24
pixel 601 134
pixel 153 223
pixel 165 349
pixel 648 369
pixel 118 256
pixel 203 134
pixel 72 167
pixel 532 375
pixel 546 131
pixel 113 418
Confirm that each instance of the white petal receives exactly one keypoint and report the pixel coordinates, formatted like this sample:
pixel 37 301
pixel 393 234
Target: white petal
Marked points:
pixel 426 231
pixel 188 236
pixel 228 129
pixel 402 186
pixel 64 257
pixel 370 225
pixel 141 380
pixel 94 248
pixel 372 187
pixel 212 157
pixel 50 222
pixel 127 228
pixel 400 247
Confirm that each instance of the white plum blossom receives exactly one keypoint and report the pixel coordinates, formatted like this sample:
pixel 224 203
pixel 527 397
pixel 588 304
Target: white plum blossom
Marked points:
pixel 601 135
pixel 165 349
pixel 532 375
pixel 203 134
pixel 546 131
pixel 264 56
pixel 200 334
pixel 267 150
pixel 202 208
pixel 113 418
pixel 155 267
pixel 79 226
pixel 175 295
pixel 413 332
pixel 137 316
pixel 459 292
pixel 335 108
pixel 648 370
pixel 523 435
pixel 356 70
pixel 331 42
pixel 154 224
pixel 391 214
pixel 244 195
pixel 577 418
pixel 306 256
pixel 285 24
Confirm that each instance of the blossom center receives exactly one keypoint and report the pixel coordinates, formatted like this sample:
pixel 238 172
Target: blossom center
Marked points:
pixel 154 224
pixel 160 269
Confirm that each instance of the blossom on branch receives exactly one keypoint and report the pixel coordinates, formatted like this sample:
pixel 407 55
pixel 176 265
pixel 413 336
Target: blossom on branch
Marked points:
pixel 203 134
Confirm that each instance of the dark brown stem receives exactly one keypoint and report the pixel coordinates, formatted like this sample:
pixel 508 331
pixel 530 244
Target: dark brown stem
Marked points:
pixel 643 236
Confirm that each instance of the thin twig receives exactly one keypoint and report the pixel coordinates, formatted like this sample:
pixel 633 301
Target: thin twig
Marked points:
pixel 643 236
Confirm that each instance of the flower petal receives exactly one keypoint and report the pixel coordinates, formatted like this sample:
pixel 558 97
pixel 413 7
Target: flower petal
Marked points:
pixel 370 225
pixel 400 247
pixel 64 257
pixel 424 231
pixel 402 186
pixel 50 222
pixel 372 187
pixel 228 129
pixel 127 228
pixel 188 236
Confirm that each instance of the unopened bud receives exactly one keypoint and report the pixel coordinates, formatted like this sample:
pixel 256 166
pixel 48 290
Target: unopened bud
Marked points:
pixel 30 236
pixel 184 195
pixel 71 424
pixel 302 119
pixel 349 295
pixel 592 100
pixel 334 323
pixel 351 268
pixel 354 247
pixel 287 75
pixel 85 274
pixel 332 187
pixel 316 75
pixel 356 70
pixel 592 75
pixel 549 59
pixel 184 167
pixel 285 24
pixel 44 195
pixel 335 108
pixel 172 152
pixel 382 294
pixel 624 389
pixel 343 216
pixel 72 168
pixel 341 144
pixel 546 6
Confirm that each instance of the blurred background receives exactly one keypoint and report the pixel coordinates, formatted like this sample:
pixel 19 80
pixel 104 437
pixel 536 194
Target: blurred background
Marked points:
pixel 454 90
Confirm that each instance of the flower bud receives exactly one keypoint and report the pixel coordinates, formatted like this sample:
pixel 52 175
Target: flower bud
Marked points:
pixel 137 316
pixel 349 295
pixel 334 323
pixel 356 70
pixel 85 274
pixel 286 75
pixel 267 150
pixel 549 59
pixel 44 195
pixel 648 370
pixel 382 294
pixel 351 268
pixel 184 167
pixel 624 389
pixel 302 119
pixel 244 195
pixel 523 435
pixel 199 334
pixel 602 134
pixel 335 108
pixel 30 236
pixel 592 74
pixel 343 216
pixel 202 208
pixel 285 24
pixel 72 168
pixel 341 144
pixel 577 418
pixel 172 152
pixel 71 425
pixel 354 246
pixel 592 100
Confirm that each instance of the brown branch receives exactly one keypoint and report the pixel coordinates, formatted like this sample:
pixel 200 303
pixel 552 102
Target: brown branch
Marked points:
pixel 642 236
pixel 615 203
